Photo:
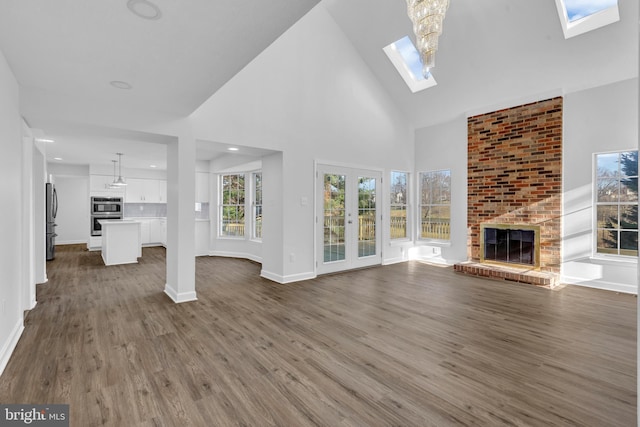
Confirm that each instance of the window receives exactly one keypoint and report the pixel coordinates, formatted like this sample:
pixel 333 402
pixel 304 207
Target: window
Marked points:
pixel 405 57
pixel 435 205
pixel 257 205
pixel 398 200
pixel 232 206
pixel 617 203
pixel 580 16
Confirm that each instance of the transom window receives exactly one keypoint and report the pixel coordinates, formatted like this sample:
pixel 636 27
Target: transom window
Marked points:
pixel 616 196
pixel 435 205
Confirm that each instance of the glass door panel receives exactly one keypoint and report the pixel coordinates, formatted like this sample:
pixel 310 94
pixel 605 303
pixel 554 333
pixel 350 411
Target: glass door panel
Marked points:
pixel 366 217
pixel 334 217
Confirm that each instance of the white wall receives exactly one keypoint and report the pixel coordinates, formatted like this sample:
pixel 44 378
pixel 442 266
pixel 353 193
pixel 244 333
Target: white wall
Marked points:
pixel 312 97
pixel 444 146
pixel 11 250
pixel 72 186
pixel 596 120
pixel 73 209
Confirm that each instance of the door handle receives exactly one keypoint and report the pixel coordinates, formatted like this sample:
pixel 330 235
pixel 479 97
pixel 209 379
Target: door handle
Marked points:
pixel 349 222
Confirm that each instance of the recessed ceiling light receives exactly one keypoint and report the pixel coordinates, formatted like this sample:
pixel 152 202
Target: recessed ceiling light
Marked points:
pixel 57 158
pixel 153 166
pixel 233 149
pixel 120 84
pixel 44 140
pixel 144 9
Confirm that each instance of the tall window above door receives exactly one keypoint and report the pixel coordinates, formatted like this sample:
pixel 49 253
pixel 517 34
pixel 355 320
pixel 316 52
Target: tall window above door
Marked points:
pixel 232 208
pixel 616 192
pixel 435 205
pixel 398 205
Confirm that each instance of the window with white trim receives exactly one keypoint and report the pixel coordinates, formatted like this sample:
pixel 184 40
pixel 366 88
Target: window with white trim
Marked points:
pixel 616 199
pixel 232 208
pixel 398 205
pixel 257 205
pixel 435 205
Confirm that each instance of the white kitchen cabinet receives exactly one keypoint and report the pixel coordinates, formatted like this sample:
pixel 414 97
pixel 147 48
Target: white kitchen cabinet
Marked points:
pixel 163 231
pixel 144 231
pixel 155 231
pixel 151 231
pixel 202 187
pixel 146 191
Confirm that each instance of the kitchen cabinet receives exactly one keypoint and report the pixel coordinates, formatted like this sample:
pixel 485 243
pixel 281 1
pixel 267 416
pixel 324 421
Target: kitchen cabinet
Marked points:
pixel 146 191
pixel 163 231
pixel 202 187
pixel 144 231
pixel 155 231
pixel 151 231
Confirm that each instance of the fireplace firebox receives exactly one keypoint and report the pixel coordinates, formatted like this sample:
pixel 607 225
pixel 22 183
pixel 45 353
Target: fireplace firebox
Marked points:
pixel 510 244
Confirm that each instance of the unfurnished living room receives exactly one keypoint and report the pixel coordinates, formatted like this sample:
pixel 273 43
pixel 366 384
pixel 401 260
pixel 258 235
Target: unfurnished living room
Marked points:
pixel 328 213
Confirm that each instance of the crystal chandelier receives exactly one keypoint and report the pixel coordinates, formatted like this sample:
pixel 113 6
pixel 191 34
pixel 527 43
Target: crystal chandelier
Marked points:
pixel 427 17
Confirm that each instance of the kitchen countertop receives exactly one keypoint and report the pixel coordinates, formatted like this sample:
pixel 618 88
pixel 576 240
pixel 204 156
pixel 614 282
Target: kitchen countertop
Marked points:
pixel 117 221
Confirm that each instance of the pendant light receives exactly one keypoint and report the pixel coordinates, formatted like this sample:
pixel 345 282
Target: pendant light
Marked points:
pixel 113 185
pixel 120 181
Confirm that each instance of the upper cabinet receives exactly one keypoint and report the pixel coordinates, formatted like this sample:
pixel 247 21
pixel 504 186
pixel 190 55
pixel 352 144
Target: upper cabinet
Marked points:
pixel 202 187
pixel 146 191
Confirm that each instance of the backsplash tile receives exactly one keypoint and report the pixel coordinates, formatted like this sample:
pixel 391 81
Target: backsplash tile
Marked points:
pixel 145 210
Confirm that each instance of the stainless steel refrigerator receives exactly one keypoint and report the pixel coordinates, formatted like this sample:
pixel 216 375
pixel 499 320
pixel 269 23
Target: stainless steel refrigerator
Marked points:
pixel 52 210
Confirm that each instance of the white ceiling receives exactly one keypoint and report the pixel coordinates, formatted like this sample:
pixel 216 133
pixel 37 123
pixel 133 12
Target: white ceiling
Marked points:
pixel 64 53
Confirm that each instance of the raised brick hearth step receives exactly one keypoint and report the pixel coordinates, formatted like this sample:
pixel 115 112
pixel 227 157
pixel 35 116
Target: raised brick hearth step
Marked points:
pixel 514 274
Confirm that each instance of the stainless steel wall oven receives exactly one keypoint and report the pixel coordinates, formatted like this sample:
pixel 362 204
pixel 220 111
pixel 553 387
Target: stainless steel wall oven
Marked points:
pixel 104 208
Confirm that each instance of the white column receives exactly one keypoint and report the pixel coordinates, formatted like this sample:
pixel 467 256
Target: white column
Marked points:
pixel 28 217
pixel 181 187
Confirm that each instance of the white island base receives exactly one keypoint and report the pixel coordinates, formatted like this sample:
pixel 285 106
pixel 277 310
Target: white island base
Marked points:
pixel 121 241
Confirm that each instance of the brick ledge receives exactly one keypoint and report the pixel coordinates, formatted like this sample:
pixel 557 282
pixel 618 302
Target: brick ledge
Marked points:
pixel 514 274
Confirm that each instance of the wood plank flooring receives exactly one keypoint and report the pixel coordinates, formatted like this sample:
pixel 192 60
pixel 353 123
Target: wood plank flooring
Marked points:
pixel 401 345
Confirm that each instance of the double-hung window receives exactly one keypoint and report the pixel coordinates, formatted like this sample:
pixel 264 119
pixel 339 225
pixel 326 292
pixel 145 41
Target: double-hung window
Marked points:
pixel 616 194
pixel 435 205
pixel 232 205
pixel 257 205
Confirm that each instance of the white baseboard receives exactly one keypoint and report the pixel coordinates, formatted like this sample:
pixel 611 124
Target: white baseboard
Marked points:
pixel 71 242
pixel 278 278
pixel 390 261
pixel 242 255
pixel 10 345
pixel 178 297
pixel 600 284
pixel 434 260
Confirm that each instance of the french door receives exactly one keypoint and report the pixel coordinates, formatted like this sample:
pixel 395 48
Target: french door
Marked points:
pixel 348 218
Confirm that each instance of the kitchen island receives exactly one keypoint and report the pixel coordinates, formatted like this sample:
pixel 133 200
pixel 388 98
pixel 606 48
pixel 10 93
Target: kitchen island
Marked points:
pixel 121 241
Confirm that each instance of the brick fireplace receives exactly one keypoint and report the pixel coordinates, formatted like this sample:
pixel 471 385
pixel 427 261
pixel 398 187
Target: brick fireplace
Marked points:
pixel 515 182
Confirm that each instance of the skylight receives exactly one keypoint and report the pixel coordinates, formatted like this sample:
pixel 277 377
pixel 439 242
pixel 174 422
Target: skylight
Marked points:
pixel 581 16
pixel 404 56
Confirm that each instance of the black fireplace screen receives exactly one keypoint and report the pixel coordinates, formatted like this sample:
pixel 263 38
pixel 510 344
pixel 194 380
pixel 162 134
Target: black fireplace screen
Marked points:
pixel 510 246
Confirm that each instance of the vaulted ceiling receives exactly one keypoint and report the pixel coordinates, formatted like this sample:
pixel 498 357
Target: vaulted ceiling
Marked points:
pixel 65 53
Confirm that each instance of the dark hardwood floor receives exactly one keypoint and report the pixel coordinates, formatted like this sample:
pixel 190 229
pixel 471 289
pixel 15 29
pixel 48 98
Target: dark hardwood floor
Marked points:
pixel 401 345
